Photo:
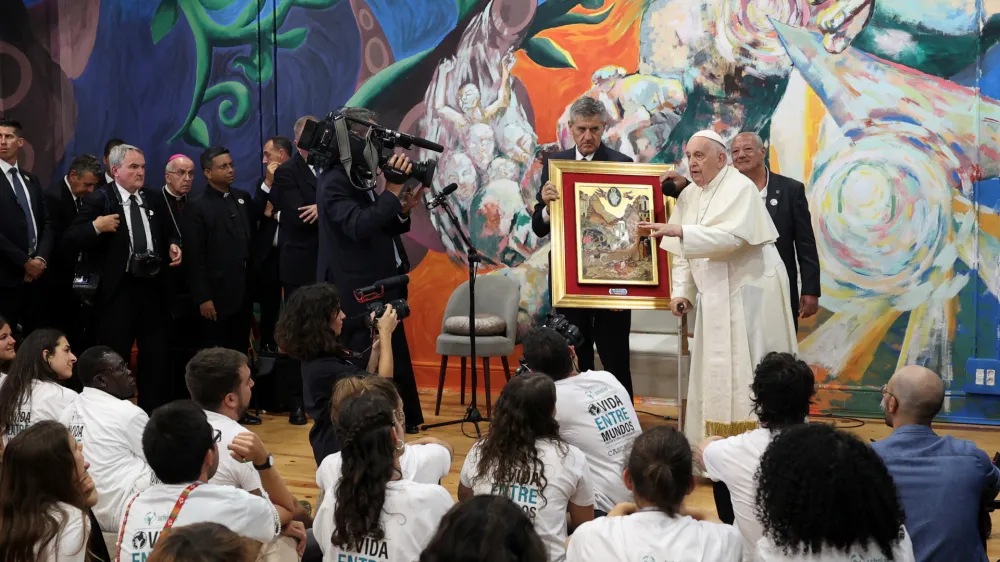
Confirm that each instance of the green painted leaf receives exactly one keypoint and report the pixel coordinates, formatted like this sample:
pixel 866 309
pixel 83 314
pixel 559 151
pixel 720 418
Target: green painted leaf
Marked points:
pixel 293 39
pixel 248 65
pixel 234 111
pixel 573 18
pixel 215 5
pixel 197 133
pixel 546 52
pixel 164 19
pixel 592 4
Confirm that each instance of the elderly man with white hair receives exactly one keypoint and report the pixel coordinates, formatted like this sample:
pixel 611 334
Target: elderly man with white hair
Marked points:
pixel 724 259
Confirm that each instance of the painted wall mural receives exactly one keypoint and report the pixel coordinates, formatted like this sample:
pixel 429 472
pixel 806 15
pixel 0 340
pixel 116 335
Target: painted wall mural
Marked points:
pixel 887 111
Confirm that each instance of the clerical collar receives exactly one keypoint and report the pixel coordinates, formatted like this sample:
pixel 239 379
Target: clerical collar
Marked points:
pixel 223 194
pixel 172 194
pixel 588 158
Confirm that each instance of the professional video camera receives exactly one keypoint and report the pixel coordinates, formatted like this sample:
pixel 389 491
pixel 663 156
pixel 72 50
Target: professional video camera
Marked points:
pixel 362 155
pixel 373 295
pixel 570 332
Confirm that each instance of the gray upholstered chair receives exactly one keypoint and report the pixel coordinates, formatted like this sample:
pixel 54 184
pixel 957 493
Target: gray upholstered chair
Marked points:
pixel 497 295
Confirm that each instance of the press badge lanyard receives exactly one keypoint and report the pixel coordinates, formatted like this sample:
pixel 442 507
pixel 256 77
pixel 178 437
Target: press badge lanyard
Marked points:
pixel 170 520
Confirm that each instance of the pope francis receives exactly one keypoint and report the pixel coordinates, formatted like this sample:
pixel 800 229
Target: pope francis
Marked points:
pixel 724 260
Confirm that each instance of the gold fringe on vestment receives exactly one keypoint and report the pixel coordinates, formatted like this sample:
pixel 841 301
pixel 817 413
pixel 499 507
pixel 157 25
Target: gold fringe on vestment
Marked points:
pixel 729 429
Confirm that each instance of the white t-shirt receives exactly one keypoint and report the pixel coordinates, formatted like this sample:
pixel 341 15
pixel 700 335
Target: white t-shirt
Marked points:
pixel 653 535
pixel 47 401
pixel 427 464
pixel 568 480
pixel 734 461
pixel 596 415
pixel 410 517
pixel 232 472
pixel 111 432
pixel 245 514
pixel 902 552
pixel 70 545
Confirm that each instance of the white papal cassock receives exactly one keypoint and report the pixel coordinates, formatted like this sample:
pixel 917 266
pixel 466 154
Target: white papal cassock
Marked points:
pixel 727 265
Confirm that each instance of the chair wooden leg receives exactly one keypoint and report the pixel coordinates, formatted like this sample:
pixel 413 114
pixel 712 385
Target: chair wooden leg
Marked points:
pixel 486 384
pixel 463 380
pixel 506 367
pixel 444 367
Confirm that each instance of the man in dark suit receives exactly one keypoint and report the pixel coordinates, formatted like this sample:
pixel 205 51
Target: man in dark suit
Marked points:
pixel 277 151
pixel 609 329
pixel 218 227
pixel 294 197
pixel 119 226
pixel 786 202
pixel 185 319
pixel 63 200
pixel 26 235
pixel 359 236
pixel 107 178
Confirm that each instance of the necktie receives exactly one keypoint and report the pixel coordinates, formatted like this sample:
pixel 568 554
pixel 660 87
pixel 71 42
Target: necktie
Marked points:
pixel 79 204
pixel 22 201
pixel 139 243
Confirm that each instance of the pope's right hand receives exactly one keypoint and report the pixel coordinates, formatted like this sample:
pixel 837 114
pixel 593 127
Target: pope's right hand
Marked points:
pixel 680 306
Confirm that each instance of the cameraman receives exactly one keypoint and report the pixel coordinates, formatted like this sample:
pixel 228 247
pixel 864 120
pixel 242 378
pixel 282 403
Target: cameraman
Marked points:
pixel 359 243
pixel 593 410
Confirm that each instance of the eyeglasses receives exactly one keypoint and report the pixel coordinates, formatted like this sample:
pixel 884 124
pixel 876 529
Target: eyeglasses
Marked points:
pixel 885 391
pixel 184 174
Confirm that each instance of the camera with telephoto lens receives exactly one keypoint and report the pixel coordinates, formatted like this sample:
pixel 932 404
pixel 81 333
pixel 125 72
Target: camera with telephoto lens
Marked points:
pixel 570 332
pixel 378 307
pixel 145 265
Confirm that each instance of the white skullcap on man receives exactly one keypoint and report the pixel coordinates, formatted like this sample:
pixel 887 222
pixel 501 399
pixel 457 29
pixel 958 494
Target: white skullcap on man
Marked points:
pixel 711 135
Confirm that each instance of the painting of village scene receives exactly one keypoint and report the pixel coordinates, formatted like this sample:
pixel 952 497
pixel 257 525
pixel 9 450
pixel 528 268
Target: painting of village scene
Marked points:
pixel 610 247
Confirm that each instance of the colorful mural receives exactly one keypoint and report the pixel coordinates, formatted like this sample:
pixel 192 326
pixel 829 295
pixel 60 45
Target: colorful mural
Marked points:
pixel 886 110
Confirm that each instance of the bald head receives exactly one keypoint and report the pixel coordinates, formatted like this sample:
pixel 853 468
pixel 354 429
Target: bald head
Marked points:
pixel 180 175
pixel 919 393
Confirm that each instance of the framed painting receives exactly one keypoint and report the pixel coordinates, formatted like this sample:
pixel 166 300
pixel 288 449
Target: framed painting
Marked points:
pixel 600 259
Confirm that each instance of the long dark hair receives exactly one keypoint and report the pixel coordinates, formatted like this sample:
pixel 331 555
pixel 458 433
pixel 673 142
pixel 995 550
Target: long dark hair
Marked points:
pixel 27 366
pixel 524 414
pixel 303 331
pixel 818 488
pixel 37 473
pixel 485 528
pixel 368 464
pixel 660 465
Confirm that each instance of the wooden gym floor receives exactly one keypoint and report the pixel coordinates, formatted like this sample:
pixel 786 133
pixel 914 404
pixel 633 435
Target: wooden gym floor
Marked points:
pixel 290 446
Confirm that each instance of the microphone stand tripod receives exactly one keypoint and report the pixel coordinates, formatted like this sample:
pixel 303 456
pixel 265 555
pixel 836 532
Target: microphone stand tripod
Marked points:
pixel 473 257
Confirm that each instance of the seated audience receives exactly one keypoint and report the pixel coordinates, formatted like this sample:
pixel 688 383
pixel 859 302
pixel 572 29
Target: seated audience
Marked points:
pixel 7 351
pixel 941 512
pixel 203 542
pixel 45 494
pixel 593 410
pixel 110 426
pixel 782 391
pixel 425 460
pixel 31 391
pixel 309 331
pixel 180 446
pixel 523 458
pixel 374 513
pixel 219 382
pixel 824 496
pixel 485 529
pixel 660 473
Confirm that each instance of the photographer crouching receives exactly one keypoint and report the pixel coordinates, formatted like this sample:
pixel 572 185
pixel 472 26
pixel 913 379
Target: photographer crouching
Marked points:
pixel 360 228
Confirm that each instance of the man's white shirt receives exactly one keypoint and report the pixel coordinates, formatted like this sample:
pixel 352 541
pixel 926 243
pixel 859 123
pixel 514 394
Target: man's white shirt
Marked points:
pixel 654 535
pixel 48 401
pixel 126 210
pixel 232 472
pixel 427 464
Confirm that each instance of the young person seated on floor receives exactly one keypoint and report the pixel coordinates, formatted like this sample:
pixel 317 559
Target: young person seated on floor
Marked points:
pixel 523 458
pixel 219 382
pixel 782 391
pixel 45 494
pixel 426 460
pixel 203 542
pixel 659 473
pixel 485 529
pixel 373 512
pixel 824 496
pixel 593 410
pixel 309 331
pixel 31 391
pixel 7 351
pixel 180 446
pixel 110 428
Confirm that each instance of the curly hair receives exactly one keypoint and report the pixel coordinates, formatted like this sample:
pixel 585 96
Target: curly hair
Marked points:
pixel 783 388
pixel 818 488
pixel 660 464
pixel 28 366
pixel 485 528
pixel 368 464
pixel 523 415
pixel 303 331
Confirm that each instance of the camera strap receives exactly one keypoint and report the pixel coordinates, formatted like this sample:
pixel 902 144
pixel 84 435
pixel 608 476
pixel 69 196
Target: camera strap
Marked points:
pixel 344 148
pixel 145 212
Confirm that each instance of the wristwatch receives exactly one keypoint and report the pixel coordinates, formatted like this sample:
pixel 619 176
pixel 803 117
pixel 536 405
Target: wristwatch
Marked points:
pixel 267 464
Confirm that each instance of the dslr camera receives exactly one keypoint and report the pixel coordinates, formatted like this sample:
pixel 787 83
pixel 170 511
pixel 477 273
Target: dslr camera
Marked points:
pixel 373 297
pixel 570 332
pixel 145 265
pixel 378 307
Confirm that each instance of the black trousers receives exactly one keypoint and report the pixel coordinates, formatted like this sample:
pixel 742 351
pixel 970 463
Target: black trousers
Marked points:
pixel 267 292
pixel 137 313
pixel 359 339
pixel 26 305
pixel 610 331
pixel 185 341
pixel 293 381
pixel 231 331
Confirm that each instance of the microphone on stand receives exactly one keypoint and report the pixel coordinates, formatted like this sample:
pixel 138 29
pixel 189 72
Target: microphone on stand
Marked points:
pixel 440 197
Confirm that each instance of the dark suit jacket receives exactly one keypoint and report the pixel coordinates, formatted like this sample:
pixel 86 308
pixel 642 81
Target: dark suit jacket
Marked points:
pixel 294 187
pixel 356 237
pixel 217 250
pixel 108 252
pixel 62 210
pixel 603 154
pixel 263 235
pixel 795 234
pixel 14 229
